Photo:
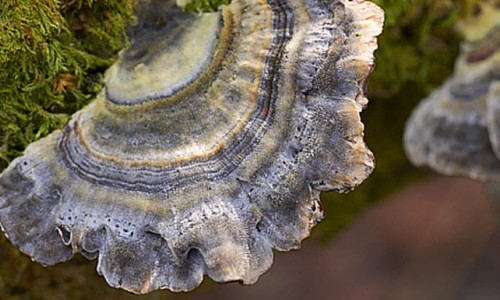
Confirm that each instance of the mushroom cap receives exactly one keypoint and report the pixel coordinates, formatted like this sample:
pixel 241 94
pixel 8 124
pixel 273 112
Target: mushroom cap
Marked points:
pixel 207 148
pixel 456 129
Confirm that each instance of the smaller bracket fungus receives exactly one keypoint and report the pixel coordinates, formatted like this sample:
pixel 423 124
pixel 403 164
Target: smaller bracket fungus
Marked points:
pixel 208 147
pixel 456 130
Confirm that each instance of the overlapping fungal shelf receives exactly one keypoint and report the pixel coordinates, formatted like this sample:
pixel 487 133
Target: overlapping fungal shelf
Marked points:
pixel 208 147
pixel 456 130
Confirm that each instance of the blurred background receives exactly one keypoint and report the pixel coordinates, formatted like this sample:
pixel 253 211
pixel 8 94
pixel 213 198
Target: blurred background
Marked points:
pixel 405 233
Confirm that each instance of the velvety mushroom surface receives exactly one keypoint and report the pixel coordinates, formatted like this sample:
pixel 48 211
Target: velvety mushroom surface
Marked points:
pixel 456 130
pixel 208 147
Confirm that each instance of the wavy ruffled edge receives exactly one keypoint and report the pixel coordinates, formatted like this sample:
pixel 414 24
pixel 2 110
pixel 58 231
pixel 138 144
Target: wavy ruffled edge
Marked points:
pixel 115 253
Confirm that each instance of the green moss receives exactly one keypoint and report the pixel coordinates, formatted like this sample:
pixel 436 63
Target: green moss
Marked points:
pixel 51 58
pixel 201 6
pixel 98 26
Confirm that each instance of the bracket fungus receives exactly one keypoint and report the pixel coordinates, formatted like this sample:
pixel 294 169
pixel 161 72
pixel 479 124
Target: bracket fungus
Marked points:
pixel 456 130
pixel 207 148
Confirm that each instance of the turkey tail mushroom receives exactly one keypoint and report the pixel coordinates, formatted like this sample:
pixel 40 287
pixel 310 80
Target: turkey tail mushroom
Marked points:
pixel 456 129
pixel 207 148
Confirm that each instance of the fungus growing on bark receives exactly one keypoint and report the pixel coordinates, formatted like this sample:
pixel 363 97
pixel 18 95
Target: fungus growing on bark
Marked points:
pixel 456 129
pixel 208 147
